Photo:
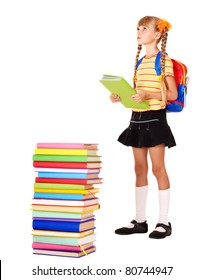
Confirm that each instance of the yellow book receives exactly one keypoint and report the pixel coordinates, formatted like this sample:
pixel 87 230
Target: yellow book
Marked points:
pixel 65 152
pixel 62 233
pixel 70 209
pixel 90 191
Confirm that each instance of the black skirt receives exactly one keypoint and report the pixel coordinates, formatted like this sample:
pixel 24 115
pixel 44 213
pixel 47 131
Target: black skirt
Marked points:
pixel 148 129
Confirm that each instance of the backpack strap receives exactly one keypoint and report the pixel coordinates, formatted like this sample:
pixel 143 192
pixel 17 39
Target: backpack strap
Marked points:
pixel 139 62
pixel 157 65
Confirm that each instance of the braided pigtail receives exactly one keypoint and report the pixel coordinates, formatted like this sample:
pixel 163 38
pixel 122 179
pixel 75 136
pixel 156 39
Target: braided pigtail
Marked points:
pixel 163 50
pixel 136 61
pixel 163 58
pixel 163 27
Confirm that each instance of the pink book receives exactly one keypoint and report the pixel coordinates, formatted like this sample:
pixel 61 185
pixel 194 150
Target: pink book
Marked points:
pixel 67 145
pixel 47 246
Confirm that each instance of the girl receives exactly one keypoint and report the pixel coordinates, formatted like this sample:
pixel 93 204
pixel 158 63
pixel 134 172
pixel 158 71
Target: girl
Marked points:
pixel 148 131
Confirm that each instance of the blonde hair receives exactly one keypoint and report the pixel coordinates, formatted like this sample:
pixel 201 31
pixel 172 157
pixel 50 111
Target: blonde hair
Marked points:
pixel 160 25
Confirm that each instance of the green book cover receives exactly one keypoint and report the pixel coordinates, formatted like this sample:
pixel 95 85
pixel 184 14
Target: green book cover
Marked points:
pixel 72 241
pixel 56 240
pixel 65 158
pixel 119 86
pixel 59 215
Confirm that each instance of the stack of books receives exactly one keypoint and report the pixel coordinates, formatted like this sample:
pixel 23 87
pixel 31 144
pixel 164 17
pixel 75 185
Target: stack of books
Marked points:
pixel 64 198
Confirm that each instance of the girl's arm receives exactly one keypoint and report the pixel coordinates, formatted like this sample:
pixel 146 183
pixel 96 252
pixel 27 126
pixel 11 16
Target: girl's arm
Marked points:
pixel 171 92
pixel 171 89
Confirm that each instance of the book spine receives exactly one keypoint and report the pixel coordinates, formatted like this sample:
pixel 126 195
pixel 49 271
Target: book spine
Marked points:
pixel 51 164
pixel 62 175
pixel 64 191
pixel 71 152
pixel 69 170
pixel 50 214
pixel 61 145
pixel 55 225
pixel 58 196
pixel 36 232
pixel 56 240
pixel 47 246
pixel 61 164
pixel 59 202
pixel 63 158
pixel 67 209
pixel 60 186
pixel 61 181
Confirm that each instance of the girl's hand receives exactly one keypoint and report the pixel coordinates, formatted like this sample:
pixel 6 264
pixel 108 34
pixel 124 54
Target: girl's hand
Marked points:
pixel 114 98
pixel 139 96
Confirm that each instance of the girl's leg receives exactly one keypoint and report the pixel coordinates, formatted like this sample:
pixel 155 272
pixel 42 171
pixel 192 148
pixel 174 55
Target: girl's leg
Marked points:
pixel 157 155
pixel 141 166
pixel 141 190
pixel 139 225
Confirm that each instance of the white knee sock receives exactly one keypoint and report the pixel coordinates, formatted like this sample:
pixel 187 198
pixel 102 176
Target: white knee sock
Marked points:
pixel 164 197
pixel 141 199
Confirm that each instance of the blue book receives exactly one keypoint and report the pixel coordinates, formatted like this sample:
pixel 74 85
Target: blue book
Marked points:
pixel 63 196
pixel 67 175
pixel 63 226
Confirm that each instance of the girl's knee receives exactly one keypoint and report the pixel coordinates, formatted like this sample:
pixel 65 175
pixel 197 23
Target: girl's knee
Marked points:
pixel 141 169
pixel 158 171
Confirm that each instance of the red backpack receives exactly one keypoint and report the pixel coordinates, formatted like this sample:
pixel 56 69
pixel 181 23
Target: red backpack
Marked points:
pixel 181 79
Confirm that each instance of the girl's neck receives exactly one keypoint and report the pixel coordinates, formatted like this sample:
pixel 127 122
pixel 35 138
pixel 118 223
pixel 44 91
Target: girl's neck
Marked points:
pixel 150 52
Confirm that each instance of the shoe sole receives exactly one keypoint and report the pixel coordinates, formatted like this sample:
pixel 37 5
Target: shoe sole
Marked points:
pixel 130 233
pixel 160 237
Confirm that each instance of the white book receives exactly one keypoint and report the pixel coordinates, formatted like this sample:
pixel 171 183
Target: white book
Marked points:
pixel 61 202
pixel 68 170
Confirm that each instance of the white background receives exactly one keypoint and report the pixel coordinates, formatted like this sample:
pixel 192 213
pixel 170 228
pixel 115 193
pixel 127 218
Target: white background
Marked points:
pixel 53 54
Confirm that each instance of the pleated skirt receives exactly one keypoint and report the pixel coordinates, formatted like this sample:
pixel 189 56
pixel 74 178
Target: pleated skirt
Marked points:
pixel 148 129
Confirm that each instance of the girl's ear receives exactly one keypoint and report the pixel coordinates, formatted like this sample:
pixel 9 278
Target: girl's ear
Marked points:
pixel 158 35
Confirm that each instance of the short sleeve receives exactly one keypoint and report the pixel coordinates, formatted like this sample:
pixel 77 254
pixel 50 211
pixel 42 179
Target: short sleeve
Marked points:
pixel 168 67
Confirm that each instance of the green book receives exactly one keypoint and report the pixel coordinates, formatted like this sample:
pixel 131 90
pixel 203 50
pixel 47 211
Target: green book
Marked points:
pixel 72 241
pixel 65 158
pixel 119 86
pixel 61 186
pixel 61 215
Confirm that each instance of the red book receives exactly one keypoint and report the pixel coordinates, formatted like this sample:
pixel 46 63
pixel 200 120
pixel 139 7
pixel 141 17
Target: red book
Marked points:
pixel 59 164
pixel 59 247
pixel 68 181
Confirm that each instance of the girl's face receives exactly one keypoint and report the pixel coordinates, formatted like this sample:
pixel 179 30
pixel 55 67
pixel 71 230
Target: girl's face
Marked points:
pixel 146 34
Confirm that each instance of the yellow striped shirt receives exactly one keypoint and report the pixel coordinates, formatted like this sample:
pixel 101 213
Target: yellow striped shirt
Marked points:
pixel 148 80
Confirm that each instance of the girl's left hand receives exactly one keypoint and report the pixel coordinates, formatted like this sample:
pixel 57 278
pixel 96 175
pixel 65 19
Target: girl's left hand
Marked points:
pixel 139 96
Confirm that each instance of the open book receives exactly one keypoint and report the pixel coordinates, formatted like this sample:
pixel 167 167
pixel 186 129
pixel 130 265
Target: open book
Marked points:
pixel 118 85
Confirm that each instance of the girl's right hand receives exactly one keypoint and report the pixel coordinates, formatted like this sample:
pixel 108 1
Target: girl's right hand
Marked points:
pixel 114 98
